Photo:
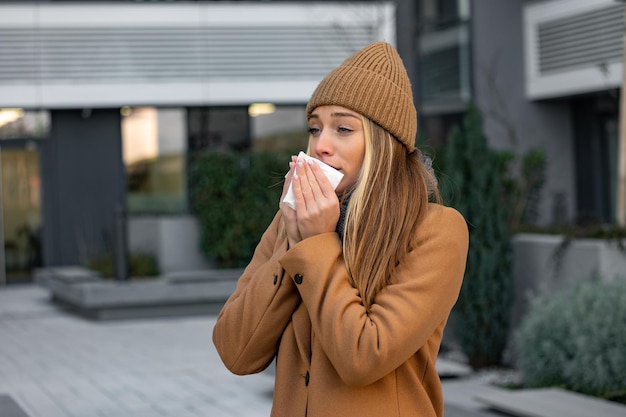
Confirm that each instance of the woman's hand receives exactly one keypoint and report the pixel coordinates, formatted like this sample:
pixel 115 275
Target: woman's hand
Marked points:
pixel 289 214
pixel 317 205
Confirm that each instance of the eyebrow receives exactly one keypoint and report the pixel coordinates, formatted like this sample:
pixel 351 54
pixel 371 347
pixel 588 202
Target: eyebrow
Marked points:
pixel 337 115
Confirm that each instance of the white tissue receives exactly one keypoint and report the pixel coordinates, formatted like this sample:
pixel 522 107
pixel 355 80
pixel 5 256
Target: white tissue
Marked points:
pixel 332 174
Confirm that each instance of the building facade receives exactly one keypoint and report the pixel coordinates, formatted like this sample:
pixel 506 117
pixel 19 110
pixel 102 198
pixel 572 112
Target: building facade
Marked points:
pixel 102 102
pixel 545 75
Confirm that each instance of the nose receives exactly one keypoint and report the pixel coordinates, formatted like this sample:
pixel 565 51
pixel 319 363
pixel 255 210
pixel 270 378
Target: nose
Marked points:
pixel 323 144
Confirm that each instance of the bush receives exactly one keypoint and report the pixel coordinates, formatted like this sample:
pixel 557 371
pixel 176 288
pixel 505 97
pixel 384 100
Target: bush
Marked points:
pixel 143 265
pixel 472 183
pixel 139 265
pixel 577 340
pixel 104 265
pixel 235 197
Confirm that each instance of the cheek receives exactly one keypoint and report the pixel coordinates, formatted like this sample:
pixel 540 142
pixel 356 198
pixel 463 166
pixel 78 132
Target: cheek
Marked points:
pixel 350 177
pixel 357 163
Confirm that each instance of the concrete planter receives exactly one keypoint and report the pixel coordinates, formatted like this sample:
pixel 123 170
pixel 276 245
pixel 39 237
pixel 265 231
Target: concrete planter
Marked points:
pixel 537 265
pixel 184 293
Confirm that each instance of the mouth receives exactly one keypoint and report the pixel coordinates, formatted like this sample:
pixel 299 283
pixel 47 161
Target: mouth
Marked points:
pixel 332 166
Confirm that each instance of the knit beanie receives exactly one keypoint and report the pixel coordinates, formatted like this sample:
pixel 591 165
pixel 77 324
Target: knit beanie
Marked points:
pixel 374 83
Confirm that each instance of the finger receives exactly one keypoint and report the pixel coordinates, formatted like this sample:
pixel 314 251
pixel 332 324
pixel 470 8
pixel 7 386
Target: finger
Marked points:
pixel 313 180
pixel 291 225
pixel 301 188
pixel 288 178
pixel 323 187
pixel 306 178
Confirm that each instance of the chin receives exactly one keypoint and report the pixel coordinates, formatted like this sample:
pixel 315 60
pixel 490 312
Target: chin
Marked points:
pixel 341 188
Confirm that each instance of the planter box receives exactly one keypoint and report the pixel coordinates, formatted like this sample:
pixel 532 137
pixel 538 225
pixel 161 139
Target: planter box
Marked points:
pixel 537 267
pixel 184 293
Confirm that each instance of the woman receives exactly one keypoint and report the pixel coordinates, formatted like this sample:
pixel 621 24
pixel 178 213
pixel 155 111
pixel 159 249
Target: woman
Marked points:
pixel 351 290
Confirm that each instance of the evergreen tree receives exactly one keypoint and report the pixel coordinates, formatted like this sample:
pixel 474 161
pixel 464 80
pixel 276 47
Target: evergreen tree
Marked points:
pixel 472 183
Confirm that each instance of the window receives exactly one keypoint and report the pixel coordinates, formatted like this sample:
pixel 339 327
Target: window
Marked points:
pixel 219 129
pixel 157 143
pixel 24 124
pixel 154 151
pixel 282 129
pixel 444 65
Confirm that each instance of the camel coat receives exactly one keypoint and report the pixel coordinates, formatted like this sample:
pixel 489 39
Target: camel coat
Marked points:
pixel 332 357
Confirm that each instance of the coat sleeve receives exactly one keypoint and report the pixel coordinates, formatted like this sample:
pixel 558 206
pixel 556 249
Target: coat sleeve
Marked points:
pixel 249 326
pixel 365 346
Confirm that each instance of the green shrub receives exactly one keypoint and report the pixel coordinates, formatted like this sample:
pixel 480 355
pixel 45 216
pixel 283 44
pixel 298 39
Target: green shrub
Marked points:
pixel 143 265
pixel 104 265
pixel 235 197
pixel 139 265
pixel 523 189
pixel 577 340
pixel 472 183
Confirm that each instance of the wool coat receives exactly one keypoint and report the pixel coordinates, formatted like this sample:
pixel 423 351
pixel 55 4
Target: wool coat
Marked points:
pixel 334 358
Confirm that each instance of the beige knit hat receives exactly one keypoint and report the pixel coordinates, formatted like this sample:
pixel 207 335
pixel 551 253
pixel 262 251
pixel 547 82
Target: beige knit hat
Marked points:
pixel 374 83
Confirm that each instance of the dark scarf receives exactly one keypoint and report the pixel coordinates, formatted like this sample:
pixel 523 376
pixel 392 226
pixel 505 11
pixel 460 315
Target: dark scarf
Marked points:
pixel 343 209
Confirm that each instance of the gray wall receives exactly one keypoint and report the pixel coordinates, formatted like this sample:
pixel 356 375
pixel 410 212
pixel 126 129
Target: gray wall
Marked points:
pixel 83 181
pixel 172 239
pixel 511 121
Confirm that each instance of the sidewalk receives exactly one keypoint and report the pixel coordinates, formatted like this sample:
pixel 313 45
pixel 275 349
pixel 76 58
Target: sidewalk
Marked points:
pixel 54 364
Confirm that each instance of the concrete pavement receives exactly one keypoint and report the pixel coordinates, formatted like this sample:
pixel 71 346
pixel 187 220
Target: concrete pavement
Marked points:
pixel 55 364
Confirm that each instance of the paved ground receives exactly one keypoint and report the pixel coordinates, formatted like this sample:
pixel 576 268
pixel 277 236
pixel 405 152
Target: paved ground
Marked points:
pixel 54 364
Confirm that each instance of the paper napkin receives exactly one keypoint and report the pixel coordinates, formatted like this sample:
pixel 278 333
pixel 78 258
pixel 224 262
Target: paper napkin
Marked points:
pixel 332 174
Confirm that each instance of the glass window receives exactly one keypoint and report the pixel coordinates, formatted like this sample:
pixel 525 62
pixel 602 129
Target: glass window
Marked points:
pixel 281 128
pixel 445 70
pixel 154 150
pixel 260 126
pixel 438 14
pixel 444 56
pixel 24 124
pixel 219 128
pixel 20 205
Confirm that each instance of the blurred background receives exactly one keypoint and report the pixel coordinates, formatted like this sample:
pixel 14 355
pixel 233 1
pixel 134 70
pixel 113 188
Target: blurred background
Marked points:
pixel 103 104
pixel 146 138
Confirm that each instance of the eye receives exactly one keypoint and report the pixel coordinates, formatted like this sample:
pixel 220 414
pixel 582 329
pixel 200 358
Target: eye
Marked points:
pixel 313 130
pixel 344 130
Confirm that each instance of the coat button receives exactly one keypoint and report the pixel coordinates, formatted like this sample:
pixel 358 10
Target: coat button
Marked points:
pixel 275 279
pixel 306 379
pixel 298 278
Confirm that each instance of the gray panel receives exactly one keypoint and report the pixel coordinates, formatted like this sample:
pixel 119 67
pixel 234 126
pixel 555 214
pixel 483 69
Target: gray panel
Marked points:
pixel 83 181
pixel 583 40
pixel 106 54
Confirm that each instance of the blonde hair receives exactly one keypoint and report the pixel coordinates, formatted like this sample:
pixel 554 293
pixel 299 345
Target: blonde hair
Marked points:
pixel 386 206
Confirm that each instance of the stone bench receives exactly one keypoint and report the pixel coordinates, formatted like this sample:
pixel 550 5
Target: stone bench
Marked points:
pixel 80 291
